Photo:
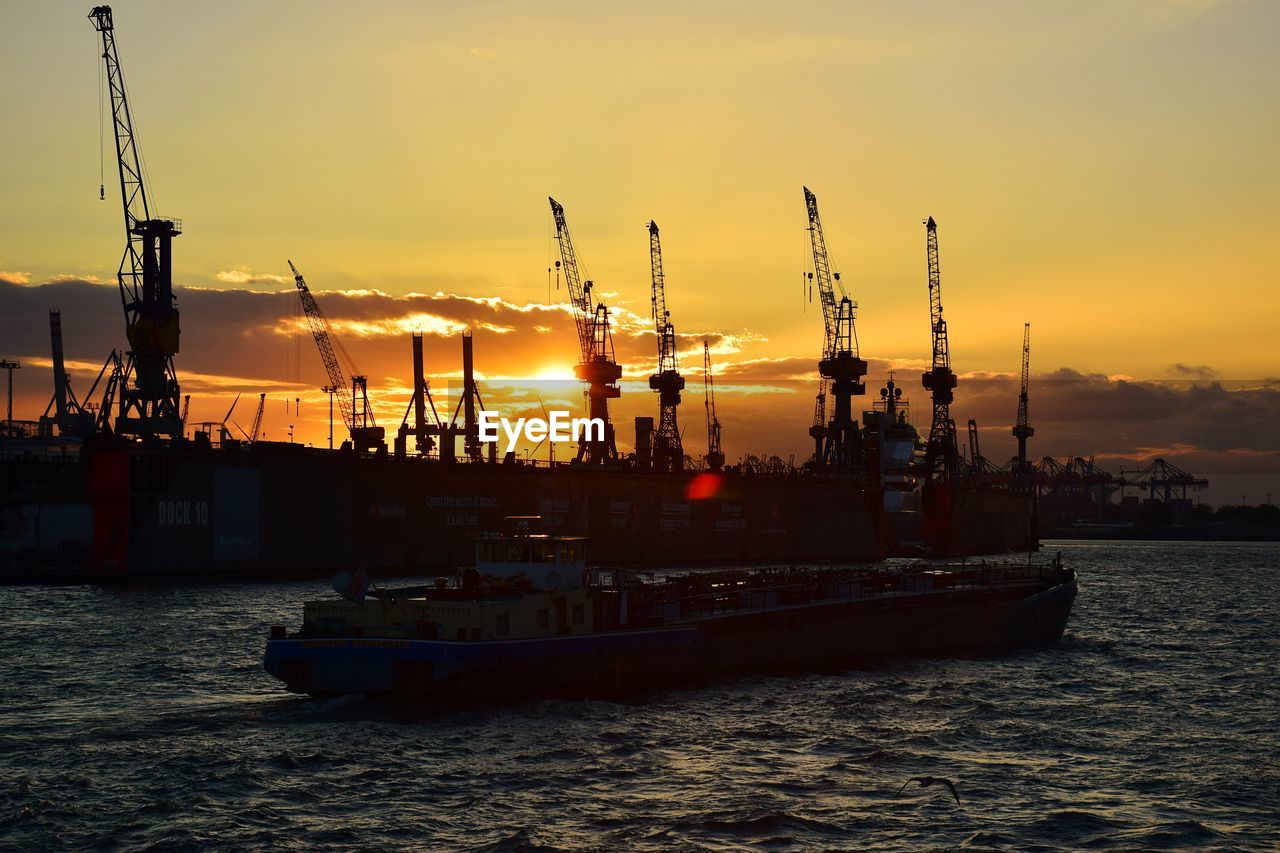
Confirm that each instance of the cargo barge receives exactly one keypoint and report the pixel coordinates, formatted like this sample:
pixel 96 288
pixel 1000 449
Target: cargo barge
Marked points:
pixel 530 619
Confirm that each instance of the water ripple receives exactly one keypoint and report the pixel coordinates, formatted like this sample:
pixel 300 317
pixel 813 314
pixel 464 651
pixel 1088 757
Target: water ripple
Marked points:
pixel 142 719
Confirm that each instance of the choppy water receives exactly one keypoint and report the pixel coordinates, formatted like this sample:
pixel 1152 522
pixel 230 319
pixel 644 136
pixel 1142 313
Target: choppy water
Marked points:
pixel 139 718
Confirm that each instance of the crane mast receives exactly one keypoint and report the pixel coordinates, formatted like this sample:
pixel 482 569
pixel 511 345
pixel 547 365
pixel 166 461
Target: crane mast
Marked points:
pixel 597 367
pixel 356 411
pixel 715 454
pixel 668 454
pixel 1022 429
pixel 837 441
pixel 148 388
pixel 940 381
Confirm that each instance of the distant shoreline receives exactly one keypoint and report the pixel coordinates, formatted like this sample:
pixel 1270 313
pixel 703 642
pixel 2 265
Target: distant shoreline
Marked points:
pixel 1109 533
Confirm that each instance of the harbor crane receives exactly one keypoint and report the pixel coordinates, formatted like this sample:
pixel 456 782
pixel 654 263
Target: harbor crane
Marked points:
pixel 149 389
pixel 840 367
pixel 668 454
pixel 976 459
pixel 941 457
pixel 10 365
pixel 356 412
pixel 470 404
pixel 1022 429
pixel 597 367
pixel 715 453
pixel 72 417
pixel 425 432
pixel 256 429
pixel 1163 480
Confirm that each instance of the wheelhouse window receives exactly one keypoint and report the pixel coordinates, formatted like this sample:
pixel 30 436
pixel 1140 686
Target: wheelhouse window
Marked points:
pixel 504 624
pixel 544 618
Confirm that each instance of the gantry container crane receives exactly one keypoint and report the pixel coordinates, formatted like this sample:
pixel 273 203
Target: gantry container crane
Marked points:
pixel 841 368
pixel 597 366
pixel 356 411
pixel 940 453
pixel 148 388
pixel 668 454
pixel 715 453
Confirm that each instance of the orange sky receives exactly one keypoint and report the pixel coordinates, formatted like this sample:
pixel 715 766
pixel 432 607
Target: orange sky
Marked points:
pixel 1105 171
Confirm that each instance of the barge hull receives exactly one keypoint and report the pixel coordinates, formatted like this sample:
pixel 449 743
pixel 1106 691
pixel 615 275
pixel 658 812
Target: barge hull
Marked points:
pixel 834 635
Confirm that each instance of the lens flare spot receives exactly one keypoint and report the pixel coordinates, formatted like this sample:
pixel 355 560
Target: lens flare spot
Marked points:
pixel 703 487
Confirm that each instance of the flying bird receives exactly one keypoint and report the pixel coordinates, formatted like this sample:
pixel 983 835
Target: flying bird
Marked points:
pixel 926 781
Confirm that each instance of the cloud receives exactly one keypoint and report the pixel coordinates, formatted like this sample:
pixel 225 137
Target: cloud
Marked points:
pixel 482 53
pixel 242 276
pixel 1189 371
pixel 15 277
pixel 241 340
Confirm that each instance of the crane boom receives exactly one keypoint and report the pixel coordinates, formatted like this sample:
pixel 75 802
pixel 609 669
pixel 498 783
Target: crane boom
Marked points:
pixel 133 191
pixel 320 331
pixel 579 292
pixel 1026 375
pixel 658 303
pixel 941 348
pixel 823 275
pixel 149 389
pixel 257 418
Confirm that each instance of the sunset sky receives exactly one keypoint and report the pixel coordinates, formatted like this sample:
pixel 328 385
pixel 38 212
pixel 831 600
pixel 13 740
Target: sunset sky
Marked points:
pixel 1104 170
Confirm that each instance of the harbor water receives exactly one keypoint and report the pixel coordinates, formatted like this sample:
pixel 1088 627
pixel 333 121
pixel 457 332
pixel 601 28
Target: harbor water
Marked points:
pixel 141 717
